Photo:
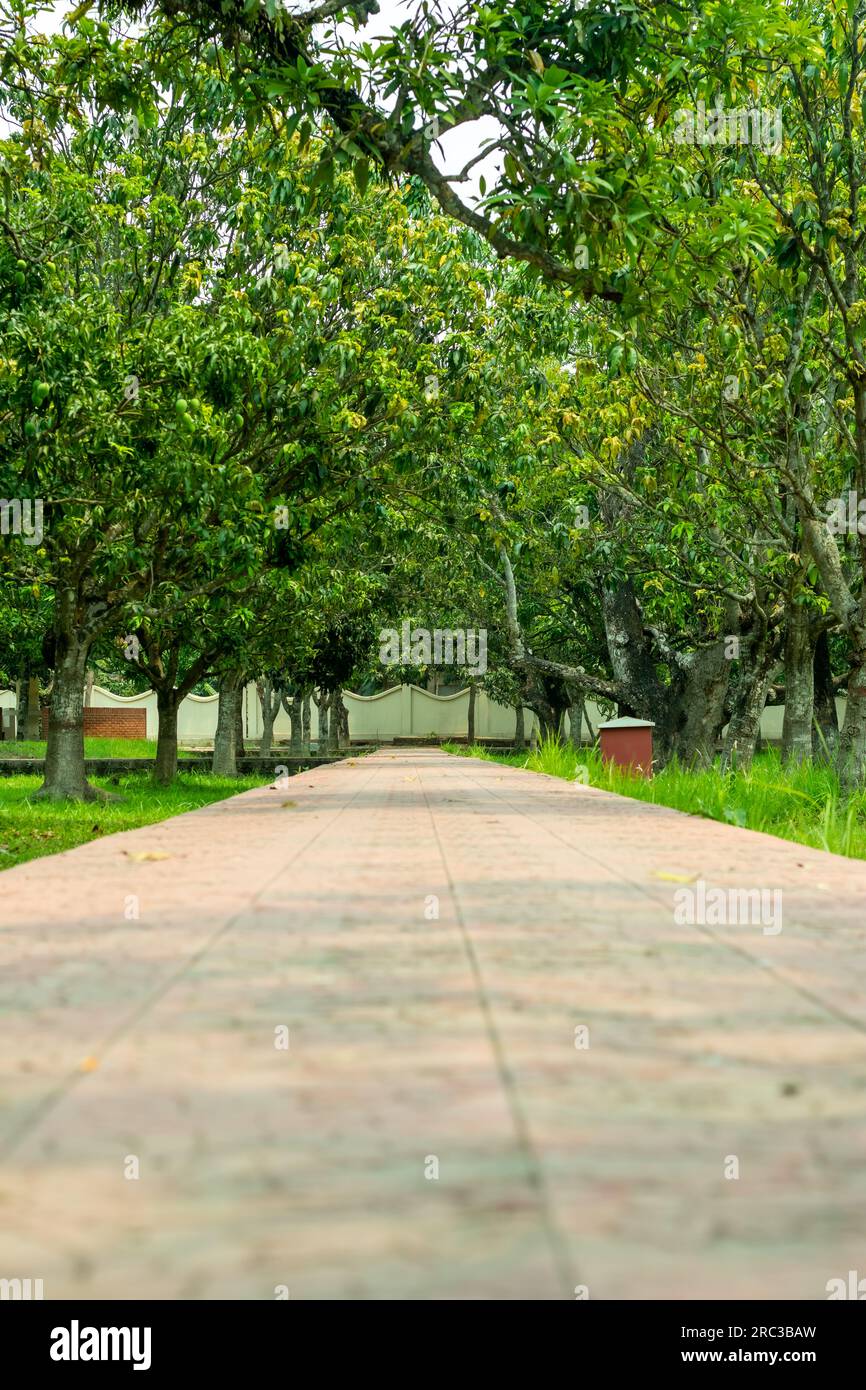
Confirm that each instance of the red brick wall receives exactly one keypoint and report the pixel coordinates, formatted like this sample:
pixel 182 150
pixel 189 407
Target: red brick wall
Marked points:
pixel 109 723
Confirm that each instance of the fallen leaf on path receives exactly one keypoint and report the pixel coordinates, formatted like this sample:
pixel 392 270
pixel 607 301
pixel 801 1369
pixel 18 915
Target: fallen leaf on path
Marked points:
pixel 288 803
pixel 143 856
pixel 674 878
pixel 89 1064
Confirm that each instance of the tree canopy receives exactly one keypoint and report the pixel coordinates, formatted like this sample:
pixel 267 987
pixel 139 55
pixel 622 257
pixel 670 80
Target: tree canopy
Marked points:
pixel 277 374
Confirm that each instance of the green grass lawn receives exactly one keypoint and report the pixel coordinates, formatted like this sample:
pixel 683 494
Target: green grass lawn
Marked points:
pixel 30 828
pixel 93 748
pixel 796 803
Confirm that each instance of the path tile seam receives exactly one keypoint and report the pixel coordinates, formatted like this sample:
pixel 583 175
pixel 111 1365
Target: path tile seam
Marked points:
pixel 656 897
pixel 536 1176
pixel 69 1082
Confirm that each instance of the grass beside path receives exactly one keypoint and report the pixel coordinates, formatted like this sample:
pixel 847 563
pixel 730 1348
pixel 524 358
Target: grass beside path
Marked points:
pixel 93 748
pixel 30 828
pixel 803 804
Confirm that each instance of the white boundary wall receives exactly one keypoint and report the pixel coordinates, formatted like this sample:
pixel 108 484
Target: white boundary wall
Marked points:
pixel 405 711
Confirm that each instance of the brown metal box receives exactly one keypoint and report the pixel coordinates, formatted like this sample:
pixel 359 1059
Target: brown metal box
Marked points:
pixel 628 743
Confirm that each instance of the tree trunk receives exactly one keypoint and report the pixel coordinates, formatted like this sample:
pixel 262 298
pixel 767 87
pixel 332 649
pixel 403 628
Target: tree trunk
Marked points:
pixel 305 727
pixel 65 778
pixel 323 703
pixel 33 722
pixel 22 696
pixel 334 701
pixel 88 687
pixel 851 616
pixel 825 726
pixel 689 710
pixel 225 748
pixel 296 715
pixel 344 723
pixel 575 723
pixel 799 686
pixel 851 753
pixel 693 715
pixel 548 724
pixel 28 713
pixel 547 713
pixel 633 660
pixel 519 726
pixel 167 705
pixel 744 726
pixel 269 698
pixel 240 750
pixel 470 716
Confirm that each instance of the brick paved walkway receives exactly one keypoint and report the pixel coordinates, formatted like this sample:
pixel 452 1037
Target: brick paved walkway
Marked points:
pixel 417 1040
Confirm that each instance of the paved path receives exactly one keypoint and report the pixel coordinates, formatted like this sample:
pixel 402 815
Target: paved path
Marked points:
pixel 416 1041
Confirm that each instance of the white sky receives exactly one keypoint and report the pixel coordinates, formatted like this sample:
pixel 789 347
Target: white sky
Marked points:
pixel 454 149
pixel 450 153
